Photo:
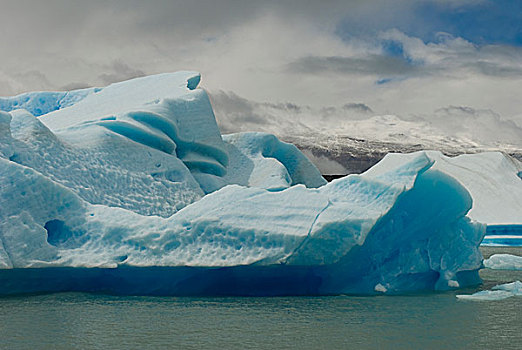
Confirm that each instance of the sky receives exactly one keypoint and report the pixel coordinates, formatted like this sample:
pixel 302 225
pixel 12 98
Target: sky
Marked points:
pixel 455 65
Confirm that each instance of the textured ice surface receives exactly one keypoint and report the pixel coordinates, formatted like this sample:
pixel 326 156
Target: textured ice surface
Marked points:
pixel 504 262
pixel 135 180
pixel 39 103
pixel 499 292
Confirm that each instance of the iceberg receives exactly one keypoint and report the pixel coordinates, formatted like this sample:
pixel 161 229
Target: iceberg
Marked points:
pixel 494 183
pixel 500 292
pixel 504 262
pixel 132 189
pixel 491 178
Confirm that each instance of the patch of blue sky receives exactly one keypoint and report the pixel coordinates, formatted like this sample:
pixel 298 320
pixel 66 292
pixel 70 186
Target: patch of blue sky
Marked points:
pixel 383 81
pixel 395 48
pixel 488 22
pixel 388 80
pixel 482 23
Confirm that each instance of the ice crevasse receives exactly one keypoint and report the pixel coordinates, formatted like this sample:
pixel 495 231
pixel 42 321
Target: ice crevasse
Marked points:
pixel 132 189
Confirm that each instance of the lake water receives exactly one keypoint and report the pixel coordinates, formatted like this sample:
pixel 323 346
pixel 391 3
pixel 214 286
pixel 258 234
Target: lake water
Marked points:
pixel 427 321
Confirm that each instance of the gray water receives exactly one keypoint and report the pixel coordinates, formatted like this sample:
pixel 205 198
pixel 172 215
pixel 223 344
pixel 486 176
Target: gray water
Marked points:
pixel 427 321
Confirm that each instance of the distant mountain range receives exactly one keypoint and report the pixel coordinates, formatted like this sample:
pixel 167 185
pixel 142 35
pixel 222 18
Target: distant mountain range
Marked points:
pixel 353 137
pixel 358 155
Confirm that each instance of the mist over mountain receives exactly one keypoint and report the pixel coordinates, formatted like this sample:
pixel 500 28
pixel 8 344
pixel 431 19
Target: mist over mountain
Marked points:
pixel 350 138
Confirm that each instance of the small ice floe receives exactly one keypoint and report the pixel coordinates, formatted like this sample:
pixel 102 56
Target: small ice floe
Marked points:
pixel 380 288
pixel 499 292
pixel 504 262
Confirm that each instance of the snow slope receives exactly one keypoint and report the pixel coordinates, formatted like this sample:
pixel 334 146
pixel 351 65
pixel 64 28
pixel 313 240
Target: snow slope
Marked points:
pixel 136 180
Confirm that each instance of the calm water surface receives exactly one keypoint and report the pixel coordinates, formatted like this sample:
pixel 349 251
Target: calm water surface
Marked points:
pixel 428 321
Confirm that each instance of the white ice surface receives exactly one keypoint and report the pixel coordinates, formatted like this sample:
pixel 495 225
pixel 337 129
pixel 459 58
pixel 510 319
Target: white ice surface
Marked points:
pixel 504 262
pixel 123 97
pixel 500 292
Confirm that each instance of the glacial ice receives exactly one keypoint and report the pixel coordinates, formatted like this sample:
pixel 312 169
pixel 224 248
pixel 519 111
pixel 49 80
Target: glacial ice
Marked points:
pixel 493 182
pixel 490 178
pixel 500 292
pixel 40 103
pixel 261 160
pixel 131 189
pixel 504 262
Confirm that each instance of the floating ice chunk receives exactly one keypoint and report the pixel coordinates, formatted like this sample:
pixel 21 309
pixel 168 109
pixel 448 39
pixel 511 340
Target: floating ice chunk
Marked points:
pixel 380 288
pixel 486 295
pixel 504 262
pixel 453 284
pixel 499 292
pixel 513 287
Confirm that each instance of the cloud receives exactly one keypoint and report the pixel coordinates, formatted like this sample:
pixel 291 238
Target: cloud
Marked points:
pixel 496 70
pixel 358 107
pixel 450 126
pixel 325 165
pixel 371 64
pixel 236 114
pixel 481 125
pixel 120 71
pixel 301 61
pixel 17 82
pixel 74 86
pixel 404 57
